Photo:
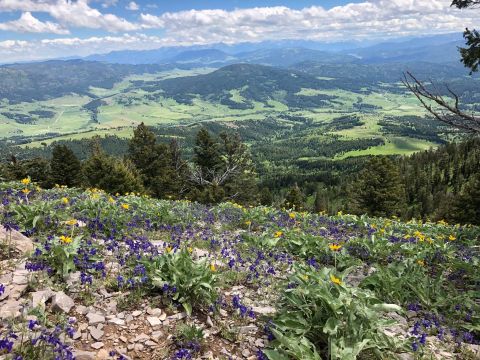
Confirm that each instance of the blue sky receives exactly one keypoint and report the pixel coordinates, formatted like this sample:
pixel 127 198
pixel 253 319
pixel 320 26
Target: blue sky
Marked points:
pixel 39 29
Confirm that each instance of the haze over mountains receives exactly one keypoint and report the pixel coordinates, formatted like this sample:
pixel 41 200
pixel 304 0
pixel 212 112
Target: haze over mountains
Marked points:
pixel 286 53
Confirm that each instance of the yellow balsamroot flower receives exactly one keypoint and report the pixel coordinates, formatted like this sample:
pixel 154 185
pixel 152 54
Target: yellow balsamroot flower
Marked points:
pixel 169 249
pixel 26 191
pixel 452 238
pixel 305 277
pixel 382 231
pixel 65 239
pixel 335 247
pixel 340 213
pixel 421 262
pixel 65 200
pixel 335 280
pixel 213 268
pixel 71 222
pixel 26 181
pixel 125 206
pixel 441 222
pixel 189 249
pixel 278 234
pixel 292 215
pixel 248 223
pixel 111 200
pixel 429 240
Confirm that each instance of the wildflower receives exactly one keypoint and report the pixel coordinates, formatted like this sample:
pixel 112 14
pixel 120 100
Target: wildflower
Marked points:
pixel 452 238
pixel 26 191
pixel 305 277
pixel 213 268
pixel 340 213
pixel 169 249
pixel 292 215
pixel 65 239
pixel 2 289
pixel 111 200
pixel 65 200
pixel 421 262
pixel 278 234
pixel 26 181
pixel 335 279
pixel 71 222
pixel 335 247
pixel 248 223
pixel 125 206
pixel 189 249
pixel 442 222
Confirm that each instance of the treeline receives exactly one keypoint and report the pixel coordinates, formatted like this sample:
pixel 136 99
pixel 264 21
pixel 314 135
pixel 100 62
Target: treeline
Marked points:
pixel 434 184
pixel 221 169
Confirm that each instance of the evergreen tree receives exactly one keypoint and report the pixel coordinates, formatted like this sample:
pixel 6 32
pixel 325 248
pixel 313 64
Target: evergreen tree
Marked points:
pixel 466 208
pixel 295 199
pixel 110 174
pixel 179 170
pixel 206 153
pixel 153 161
pixel 65 167
pixel 378 190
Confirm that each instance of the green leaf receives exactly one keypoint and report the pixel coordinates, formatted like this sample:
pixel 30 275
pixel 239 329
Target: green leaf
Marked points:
pixel 275 355
pixel 188 308
pixel 331 326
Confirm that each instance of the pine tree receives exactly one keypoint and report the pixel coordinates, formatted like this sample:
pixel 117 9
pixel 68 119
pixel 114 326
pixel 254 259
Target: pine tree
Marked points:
pixel 207 154
pixel 378 190
pixel 466 208
pixel 295 199
pixel 65 167
pixel 110 174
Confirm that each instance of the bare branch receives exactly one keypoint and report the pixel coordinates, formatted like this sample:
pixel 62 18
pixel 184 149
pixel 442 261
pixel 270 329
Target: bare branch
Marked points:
pixel 455 116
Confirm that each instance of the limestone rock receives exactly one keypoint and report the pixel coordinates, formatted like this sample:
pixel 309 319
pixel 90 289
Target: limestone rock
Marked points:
pixel 62 302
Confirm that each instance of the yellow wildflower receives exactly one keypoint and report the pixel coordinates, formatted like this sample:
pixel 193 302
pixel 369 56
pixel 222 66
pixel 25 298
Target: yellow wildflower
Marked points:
pixel 26 181
pixel 65 239
pixel 452 238
pixel 335 247
pixel 442 222
pixel 71 222
pixel 213 268
pixel 248 223
pixel 169 249
pixel 65 200
pixel 26 191
pixel 421 262
pixel 111 200
pixel 340 213
pixel 335 280
pixel 305 277
pixel 278 234
pixel 189 249
pixel 292 215
pixel 125 206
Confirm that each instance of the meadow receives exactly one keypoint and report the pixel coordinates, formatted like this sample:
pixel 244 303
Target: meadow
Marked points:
pixel 156 279
pixel 126 105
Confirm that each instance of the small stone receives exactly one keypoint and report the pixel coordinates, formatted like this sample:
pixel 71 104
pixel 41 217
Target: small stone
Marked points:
pixel 115 321
pixel 154 321
pixel 103 355
pixel 84 355
pixel 94 319
pixel 39 298
pixel 142 338
pixel 150 343
pixel 163 317
pixel 266 310
pixel 97 345
pixel 96 333
pixel 209 321
pixel 139 347
pixel 137 313
pixel 123 339
pixel 247 329
pixel 10 310
pixel 246 353
pixel 82 310
pixel 62 302
pixel 154 312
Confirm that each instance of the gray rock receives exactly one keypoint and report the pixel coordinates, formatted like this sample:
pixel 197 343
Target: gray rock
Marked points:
pixel 22 243
pixel 84 355
pixel 94 319
pixel 115 321
pixel 62 302
pixel 97 345
pixel 265 310
pixel 154 321
pixel 39 298
pixel 96 333
pixel 10 310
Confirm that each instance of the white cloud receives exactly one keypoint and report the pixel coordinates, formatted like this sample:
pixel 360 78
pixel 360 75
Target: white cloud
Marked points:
pixel 355 21
pixel 132 6
pixel 74 13
pixel 107 3
pixel 27 23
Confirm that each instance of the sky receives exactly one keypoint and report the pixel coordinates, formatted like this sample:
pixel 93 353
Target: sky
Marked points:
pixel 41 29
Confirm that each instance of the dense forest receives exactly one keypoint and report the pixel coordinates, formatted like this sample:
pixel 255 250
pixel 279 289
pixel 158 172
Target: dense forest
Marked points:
pixel 435 184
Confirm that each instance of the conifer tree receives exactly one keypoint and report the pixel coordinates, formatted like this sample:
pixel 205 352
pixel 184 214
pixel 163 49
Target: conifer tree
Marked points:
pixel 110 174
pixel 207 155
pixel 466 208
pixel 295 199
pixel 65 167
pixel 378 190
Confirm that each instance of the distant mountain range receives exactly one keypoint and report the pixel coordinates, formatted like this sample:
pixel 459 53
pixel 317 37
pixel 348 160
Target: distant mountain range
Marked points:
pixel 438 49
